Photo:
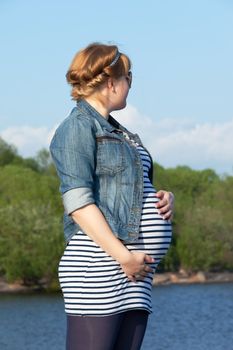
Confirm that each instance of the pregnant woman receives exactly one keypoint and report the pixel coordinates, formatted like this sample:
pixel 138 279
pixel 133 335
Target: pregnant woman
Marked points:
pixel 117 227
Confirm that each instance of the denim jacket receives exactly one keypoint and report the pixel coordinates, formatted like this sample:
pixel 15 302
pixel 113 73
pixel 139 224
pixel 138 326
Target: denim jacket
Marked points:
pixel 97 164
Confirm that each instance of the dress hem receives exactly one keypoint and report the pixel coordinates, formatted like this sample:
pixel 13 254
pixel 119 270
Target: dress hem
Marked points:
pixel 109 314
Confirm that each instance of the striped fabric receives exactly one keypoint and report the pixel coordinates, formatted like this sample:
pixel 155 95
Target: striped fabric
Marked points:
pixel 94 284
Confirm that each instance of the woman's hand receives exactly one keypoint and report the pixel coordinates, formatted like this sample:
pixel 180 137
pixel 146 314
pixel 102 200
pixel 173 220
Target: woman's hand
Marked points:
pixel 166 204
pixel 135 267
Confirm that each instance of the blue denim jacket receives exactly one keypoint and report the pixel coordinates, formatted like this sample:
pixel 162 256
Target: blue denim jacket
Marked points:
pixel 97 164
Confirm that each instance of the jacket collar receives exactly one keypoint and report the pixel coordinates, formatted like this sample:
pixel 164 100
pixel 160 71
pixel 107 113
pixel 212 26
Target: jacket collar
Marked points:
pixel 110 124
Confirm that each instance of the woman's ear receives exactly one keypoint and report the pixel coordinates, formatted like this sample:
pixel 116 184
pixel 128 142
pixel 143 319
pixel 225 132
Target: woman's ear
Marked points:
pixel 111 85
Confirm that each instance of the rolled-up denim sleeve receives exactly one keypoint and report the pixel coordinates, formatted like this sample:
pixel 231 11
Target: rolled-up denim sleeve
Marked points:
pixel 73 150
pixel 77 198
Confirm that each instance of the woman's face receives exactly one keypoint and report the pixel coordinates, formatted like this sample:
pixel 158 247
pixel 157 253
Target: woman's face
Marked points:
pixel 122 86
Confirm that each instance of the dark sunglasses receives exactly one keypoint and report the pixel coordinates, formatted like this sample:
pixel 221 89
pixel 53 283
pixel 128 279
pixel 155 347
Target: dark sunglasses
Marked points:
pixel 129 78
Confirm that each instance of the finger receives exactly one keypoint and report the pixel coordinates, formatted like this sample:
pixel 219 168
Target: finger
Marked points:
pixel 161 203
pixel 149 259
pixel 148 270
pixel 159 194
pixel 168 215
pixel 164 209
pixel 171 199
pixel 137 277
pixel 171 195
pixel 168 196
pixel 144 273
pixel 132 278
pixel 140 276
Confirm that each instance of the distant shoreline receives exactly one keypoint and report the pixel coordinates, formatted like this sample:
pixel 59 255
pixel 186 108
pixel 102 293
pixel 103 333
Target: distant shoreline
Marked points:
pixel 197 277
pixel 166 278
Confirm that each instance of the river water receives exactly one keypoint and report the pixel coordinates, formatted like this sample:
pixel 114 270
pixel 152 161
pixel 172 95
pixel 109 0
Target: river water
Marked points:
pixel 186 317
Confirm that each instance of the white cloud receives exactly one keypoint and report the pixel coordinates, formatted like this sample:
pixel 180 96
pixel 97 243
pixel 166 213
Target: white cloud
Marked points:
pixel 175 142
pixel 27 139
pixel 171 142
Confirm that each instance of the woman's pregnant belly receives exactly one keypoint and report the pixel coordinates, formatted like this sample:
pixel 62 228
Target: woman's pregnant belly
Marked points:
pixel 155 233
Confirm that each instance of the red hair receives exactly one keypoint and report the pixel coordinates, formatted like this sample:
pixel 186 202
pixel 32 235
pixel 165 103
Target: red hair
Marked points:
pixel 91 67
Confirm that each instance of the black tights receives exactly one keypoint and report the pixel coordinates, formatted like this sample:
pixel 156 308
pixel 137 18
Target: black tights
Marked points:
pixel 123 331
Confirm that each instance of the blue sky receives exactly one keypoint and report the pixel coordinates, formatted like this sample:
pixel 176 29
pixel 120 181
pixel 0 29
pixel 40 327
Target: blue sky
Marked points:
pixel 182 54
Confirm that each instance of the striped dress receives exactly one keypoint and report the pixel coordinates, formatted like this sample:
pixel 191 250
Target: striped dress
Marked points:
pixel 93 283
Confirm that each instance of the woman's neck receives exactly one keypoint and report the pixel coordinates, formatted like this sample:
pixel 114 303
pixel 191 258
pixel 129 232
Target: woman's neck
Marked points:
pixel 103 110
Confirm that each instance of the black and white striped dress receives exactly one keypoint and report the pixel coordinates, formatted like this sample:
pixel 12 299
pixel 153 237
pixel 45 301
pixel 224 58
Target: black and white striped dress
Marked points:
pixel 93 283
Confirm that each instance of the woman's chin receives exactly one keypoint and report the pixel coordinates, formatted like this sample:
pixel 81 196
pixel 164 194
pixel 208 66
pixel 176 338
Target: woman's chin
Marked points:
pixel 121 106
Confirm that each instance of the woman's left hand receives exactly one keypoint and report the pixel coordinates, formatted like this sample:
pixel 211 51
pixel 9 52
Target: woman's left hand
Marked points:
pixel 166 204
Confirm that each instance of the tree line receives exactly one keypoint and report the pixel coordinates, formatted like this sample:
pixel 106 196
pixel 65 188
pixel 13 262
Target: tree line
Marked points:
pixel 31 212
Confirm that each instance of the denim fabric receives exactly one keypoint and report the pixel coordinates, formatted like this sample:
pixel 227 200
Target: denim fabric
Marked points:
pixel 96 164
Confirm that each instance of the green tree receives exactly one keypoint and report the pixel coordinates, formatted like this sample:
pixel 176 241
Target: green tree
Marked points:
pixel 31 230
pixel 8 153
pixel 31 238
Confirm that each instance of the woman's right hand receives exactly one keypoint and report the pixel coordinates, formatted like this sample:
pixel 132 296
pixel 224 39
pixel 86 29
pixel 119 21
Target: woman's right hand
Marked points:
pixel 136 266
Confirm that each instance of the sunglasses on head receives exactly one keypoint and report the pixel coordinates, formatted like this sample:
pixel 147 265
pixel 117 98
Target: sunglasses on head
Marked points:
pixel 128 78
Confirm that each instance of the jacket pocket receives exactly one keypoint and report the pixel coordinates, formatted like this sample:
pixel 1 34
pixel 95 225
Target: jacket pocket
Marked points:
pixel 110 155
